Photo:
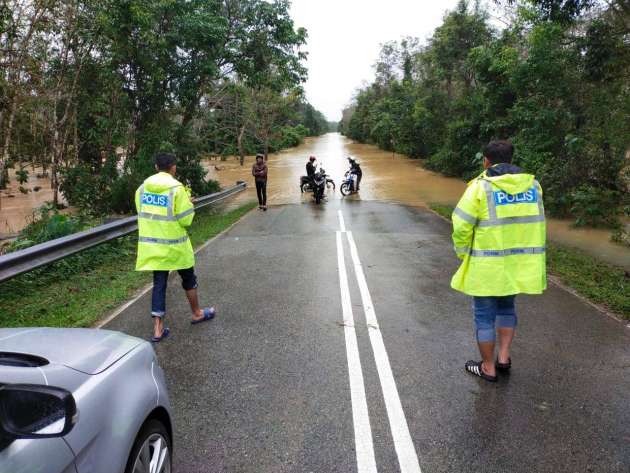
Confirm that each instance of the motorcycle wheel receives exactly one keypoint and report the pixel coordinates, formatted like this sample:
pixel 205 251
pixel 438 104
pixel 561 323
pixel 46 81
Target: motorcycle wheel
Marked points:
pixel 318 198
pixel 305 187
pixel 345 189
pixel 330 184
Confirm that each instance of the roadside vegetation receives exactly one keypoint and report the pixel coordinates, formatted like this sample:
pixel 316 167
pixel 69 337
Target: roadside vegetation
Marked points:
pixel 90 90
pixel 550 75
pixel 601 283
pixel 79 290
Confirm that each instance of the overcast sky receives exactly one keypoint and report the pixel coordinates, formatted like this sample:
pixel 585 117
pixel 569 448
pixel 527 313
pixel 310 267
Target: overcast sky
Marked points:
pixel 344 38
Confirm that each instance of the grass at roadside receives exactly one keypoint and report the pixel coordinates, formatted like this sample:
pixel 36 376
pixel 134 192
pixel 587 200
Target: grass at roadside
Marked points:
pixel 601 283
pixel 77 291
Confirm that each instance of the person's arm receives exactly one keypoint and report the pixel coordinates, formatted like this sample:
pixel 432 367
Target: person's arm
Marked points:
pixel 465 217
pixel 254 170
pixel 263 171
pixel 184 209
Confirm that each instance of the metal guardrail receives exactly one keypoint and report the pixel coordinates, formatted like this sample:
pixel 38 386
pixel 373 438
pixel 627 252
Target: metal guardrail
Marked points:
pixel 28 259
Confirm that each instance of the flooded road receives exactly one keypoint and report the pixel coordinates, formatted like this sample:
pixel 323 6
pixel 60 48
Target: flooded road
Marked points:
pixel 386 177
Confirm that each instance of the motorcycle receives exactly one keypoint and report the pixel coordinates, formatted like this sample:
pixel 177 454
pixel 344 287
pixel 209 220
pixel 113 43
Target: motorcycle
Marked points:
pixel 305 182
pixel 319 186
pixel 349 184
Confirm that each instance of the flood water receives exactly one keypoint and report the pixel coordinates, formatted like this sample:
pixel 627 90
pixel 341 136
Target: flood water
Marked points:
pixel 386 177
pixel 16 208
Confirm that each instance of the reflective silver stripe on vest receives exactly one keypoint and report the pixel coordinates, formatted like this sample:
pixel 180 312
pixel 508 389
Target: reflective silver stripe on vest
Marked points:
pixel 185 213
pixel 462 249
pixel 541 206
pixel 171 204
pixel 537 250
pixel 465 216
pixel 163 241
pixel 165 218
pixel 511 220
pixel 492 210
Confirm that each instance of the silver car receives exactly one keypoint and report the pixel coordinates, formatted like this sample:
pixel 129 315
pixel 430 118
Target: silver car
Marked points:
pixel 81 401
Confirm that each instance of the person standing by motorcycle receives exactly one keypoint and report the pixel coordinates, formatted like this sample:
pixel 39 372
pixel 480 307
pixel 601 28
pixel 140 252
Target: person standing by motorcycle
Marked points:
pixel 356 170
pixel 259 171
pixel 310 168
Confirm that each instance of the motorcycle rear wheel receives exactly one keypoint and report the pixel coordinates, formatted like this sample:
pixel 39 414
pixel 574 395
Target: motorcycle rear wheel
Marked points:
pixel 305 187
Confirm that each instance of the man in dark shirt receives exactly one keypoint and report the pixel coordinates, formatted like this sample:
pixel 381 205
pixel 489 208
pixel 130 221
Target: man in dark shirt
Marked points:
pixel 310 167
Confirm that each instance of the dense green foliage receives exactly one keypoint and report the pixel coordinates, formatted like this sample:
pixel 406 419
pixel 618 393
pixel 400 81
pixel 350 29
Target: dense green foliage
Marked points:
pixel 90 90
pixel 554 81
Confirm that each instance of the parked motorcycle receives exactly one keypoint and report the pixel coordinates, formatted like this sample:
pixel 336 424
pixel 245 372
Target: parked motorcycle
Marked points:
pixel 349 184
pixel 305 182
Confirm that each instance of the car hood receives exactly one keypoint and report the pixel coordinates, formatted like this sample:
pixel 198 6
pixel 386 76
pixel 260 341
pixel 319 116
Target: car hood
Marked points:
pixel 89 351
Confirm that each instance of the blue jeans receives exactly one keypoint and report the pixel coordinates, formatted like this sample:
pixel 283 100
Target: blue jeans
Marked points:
pixel 160 282
pixel 491 310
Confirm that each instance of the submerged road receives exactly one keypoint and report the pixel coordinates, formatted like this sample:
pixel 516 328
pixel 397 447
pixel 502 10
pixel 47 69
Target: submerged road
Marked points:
pixel 339 347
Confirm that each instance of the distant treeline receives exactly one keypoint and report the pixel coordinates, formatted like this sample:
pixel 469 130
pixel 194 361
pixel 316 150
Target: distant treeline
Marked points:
pixel 90 90
pixel 554 78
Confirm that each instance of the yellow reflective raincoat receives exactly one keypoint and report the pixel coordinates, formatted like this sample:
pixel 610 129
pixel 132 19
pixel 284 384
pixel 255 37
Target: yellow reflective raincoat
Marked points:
pixel 499 233
pixel 164 211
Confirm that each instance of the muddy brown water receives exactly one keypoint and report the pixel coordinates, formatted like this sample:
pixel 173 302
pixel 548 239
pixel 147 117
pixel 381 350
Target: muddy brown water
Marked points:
pixel 16 208
pixel 386 177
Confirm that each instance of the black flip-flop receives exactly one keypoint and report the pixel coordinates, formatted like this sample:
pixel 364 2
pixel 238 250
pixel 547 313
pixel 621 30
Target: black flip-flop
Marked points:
pixel 504 367
pixel 165 332
pixel 208 314
pixel 474 368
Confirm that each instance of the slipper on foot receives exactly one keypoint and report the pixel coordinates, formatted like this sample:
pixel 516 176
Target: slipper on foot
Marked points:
pixel 208 314
pixel 165 332
pixel 474 368
pixel 504 367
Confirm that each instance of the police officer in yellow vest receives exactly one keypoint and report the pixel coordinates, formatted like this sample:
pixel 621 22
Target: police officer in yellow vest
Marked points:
pixel 164 212
pixel 499 234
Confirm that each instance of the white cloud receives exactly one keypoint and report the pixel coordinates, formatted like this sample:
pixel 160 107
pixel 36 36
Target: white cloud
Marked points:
pixel 344 39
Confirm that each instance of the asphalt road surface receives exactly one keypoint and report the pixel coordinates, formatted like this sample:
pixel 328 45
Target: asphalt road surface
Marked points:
pixel 339 347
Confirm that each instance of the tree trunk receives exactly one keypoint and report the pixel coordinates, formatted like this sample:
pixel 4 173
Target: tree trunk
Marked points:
pixel 239 141
pixel 4 152
pixel 53 168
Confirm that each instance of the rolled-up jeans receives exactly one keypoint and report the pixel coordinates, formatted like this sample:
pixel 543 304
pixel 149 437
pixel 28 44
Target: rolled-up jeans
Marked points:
pixel 491 311
pixel 160 282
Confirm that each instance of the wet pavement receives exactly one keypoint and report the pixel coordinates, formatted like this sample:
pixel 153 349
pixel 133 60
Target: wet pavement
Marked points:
pixel 390 177
pixel 265 387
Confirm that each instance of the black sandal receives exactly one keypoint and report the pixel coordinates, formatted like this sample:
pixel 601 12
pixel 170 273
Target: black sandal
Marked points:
pixel 474 367
pixel 505 367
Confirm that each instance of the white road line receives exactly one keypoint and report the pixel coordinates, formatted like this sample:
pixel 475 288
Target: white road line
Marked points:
pixel 407 456
pixel 364 447
pixel 342 223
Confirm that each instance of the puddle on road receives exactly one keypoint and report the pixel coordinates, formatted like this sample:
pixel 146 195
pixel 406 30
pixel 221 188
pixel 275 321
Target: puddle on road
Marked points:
pixel 386 177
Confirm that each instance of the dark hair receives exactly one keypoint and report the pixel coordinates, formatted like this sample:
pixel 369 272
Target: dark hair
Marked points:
pixel 499 152
pixel 312 158
pixel 260 156
pixel 165 161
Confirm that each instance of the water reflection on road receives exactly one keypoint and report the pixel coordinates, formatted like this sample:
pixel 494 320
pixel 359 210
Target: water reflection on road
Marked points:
pixel 386 177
